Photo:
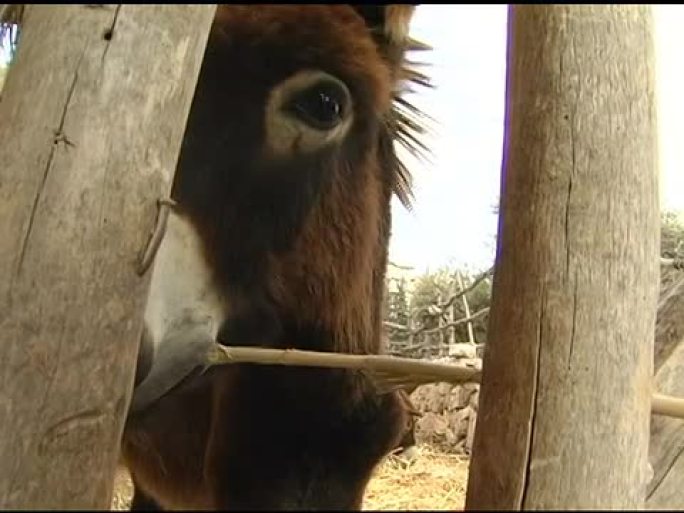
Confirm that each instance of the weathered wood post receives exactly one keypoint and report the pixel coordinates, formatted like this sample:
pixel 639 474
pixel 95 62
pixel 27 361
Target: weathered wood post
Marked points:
pixel 91 121
pixel 565 401
pixel 667 433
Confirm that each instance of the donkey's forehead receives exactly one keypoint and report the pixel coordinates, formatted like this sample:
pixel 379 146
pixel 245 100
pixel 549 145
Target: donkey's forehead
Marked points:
pixel 331 37
pixel 297 20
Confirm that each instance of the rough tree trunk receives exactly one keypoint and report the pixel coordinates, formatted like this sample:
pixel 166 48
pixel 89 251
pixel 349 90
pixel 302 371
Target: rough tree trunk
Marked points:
pixel 565 400
pixel 91 121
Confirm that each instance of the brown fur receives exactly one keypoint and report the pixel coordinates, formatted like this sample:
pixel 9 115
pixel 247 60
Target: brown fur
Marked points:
pixel 408 439
pixel 298 246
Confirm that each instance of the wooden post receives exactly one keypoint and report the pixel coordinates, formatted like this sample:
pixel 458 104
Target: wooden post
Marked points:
pixel 450 317
pixel 91 120
pixel 669 332
pixel 440 324
pixel 466 308
pixel 564 413
pixel 667 434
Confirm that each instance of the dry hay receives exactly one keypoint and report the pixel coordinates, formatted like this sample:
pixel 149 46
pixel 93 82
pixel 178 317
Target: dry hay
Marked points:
pixel 432 481
pixel 123 490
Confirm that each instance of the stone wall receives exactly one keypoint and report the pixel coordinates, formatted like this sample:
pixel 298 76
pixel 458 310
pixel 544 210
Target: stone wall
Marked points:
pixel 449 413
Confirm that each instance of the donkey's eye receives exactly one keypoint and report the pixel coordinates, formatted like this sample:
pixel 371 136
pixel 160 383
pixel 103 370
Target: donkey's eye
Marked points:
pixel 306 112
pixel 322 106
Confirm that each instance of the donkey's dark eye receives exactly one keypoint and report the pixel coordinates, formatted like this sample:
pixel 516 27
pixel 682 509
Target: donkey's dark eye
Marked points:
pixel 322 106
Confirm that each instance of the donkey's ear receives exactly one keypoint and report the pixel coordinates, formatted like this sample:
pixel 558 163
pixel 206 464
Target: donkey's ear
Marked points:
pixel 389 26
pixel 389 23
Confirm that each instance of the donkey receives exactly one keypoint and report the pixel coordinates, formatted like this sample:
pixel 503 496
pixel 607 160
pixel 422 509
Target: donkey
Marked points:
pixel 278 238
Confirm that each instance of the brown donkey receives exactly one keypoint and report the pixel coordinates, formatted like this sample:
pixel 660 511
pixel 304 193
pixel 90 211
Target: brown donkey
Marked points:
pixel 279 238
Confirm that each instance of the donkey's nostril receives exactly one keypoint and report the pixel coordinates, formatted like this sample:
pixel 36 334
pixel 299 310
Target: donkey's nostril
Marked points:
pixel 322 105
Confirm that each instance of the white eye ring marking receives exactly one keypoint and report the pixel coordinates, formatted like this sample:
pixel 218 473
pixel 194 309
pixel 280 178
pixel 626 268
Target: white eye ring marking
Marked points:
pixel 287 134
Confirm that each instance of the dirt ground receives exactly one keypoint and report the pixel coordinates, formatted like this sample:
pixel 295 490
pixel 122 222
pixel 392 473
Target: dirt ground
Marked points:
pixel 432 481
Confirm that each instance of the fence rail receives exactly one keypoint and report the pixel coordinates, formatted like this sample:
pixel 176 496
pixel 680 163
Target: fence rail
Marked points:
pixel 388 372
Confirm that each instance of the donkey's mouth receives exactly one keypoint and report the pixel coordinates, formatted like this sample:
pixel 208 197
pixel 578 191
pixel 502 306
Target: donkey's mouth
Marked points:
pixel 183 353
pixel 259 327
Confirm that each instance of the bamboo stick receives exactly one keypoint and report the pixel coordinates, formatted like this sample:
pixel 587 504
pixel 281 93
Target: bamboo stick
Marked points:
pixel 389 372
